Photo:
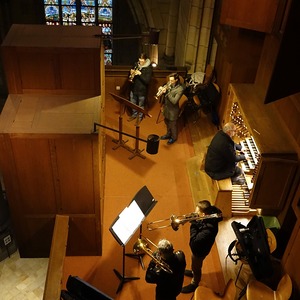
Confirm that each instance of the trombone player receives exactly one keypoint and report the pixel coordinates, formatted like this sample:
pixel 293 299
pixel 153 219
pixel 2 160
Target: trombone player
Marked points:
pixel 202 237
pixel 168 285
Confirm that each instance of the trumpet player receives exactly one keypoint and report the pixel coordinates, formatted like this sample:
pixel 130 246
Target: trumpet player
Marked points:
pixel 170 108
pixel 140 77
pixel 168 285
pixel 202 237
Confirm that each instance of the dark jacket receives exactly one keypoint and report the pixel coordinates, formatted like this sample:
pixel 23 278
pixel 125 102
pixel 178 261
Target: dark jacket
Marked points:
pixel 171 102
pixel 168 286
pixel 203 234
pixel 221 157
pixel 141 82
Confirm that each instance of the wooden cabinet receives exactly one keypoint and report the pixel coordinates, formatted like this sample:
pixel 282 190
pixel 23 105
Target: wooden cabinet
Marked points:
pixel 50 159
pixel 50 165
pixel 52 59
pixel 272 183
pixel 256 15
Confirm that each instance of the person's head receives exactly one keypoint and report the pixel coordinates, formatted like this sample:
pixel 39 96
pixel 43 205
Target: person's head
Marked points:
pixel 165 248
pixel 173 78
pixel 230 129
pixel 142 59
pixel 203 207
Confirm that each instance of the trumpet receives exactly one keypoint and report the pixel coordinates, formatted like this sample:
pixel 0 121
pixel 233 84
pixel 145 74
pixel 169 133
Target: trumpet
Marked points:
pixel 175 221
pixel 142 245
pixel 132 75
pixel 162 89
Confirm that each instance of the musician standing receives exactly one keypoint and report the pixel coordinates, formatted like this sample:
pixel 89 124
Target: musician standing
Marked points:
pixel 140 77
pixel 168 286
pixel 173 91
pixel 203 233
pixel 221 158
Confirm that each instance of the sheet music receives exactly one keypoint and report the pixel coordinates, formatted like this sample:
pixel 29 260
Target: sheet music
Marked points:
pixel 129 221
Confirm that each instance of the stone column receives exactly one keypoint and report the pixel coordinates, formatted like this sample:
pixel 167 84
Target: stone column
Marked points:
pixel 171 32
pixel 205 31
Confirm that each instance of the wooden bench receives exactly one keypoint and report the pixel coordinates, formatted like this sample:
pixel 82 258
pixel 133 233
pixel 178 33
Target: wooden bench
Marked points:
pixel 56 260
pixel 218 192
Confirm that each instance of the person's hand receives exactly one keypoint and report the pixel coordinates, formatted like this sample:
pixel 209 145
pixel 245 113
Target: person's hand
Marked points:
pixel 247 157
pixel 137 72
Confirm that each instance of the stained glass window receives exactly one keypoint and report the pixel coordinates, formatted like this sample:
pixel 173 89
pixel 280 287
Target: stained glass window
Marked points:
pixel 52 12
pixel 86 13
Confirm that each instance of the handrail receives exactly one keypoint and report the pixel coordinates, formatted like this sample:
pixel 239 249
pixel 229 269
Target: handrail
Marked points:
pixel 56 260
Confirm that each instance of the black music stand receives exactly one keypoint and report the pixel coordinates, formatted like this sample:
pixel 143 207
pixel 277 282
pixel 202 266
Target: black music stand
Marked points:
pixel 146 202
pixel 120 142
pixel 125 225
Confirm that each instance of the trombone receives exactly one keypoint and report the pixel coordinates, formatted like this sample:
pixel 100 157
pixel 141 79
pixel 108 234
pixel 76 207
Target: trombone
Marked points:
pixel 142 245
pixel 174 221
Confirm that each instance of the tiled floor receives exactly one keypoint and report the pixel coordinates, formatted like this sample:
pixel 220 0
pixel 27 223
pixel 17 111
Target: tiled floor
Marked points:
pixel 22 278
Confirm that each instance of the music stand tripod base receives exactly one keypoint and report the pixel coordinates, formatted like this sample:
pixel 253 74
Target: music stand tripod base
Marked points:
pixel 137 152
pixel 121 143
pixel 123 279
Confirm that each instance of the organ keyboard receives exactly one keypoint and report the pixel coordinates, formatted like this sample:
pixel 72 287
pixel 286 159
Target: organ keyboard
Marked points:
pixel 272 163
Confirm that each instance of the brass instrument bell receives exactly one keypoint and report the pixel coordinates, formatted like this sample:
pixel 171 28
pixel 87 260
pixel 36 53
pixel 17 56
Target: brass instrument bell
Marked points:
pixel 142 245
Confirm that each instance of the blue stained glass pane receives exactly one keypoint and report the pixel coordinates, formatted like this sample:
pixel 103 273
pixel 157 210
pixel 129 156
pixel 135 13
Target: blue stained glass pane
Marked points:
pixel 105 3
pixel 106 29
pixel 69 13
pixel 107 59
pixel 68 2
pixel 52 13
pixel 50 2
pixel 88 2
pixel 105 14
pixel 88 14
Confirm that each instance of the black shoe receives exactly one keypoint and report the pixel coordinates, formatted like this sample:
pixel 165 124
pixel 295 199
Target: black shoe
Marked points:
pixel 188 273
pixel 238 180
pixel 189 289
pixel 171 141
pixel 131 118
pixel 165 137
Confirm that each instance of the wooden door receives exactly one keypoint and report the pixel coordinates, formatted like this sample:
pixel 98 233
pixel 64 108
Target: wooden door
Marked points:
pixel 271 187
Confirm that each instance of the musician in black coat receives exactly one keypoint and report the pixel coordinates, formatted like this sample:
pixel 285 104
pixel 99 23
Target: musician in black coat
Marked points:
pixel 221 158
pixel 168 285
pixel 140 76
pixel 202 237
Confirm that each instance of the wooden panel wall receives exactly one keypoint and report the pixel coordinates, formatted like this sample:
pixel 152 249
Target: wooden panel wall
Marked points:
pixel 45 176
pixel 257 15
pixel 67 71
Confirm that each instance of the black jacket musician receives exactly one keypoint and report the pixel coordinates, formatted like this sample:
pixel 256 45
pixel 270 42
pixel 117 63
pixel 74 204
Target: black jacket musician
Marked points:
pixel 140 76
pixel 168 285
pixel 202 237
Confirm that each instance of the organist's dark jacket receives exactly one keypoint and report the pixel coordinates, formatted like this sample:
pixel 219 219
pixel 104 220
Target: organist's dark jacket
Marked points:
pixel 221 157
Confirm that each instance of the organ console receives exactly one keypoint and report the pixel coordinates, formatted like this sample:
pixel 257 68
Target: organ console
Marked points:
pixel 272 163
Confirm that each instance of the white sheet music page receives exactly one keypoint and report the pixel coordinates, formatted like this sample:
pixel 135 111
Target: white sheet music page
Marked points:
pixel 129 221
